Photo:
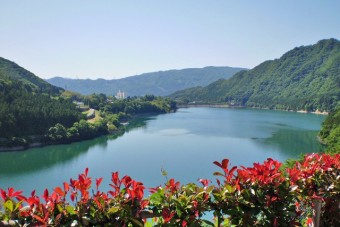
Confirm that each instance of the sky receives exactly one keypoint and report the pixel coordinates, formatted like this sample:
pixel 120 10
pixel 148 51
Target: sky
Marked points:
pixel 113 39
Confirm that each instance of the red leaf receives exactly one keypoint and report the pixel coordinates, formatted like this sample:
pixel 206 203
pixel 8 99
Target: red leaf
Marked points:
pixel 59 191
pixel 3 194
pixel 66 187
pixel 73 196
pixel 45 195
pixel 39 218
pixel 115 179
pixel 231 173
pixel 205 182
pixel 98 182
pixel 154 190
pixel 127 181
pixel 218 164
pixel 225 163
pixel 218 182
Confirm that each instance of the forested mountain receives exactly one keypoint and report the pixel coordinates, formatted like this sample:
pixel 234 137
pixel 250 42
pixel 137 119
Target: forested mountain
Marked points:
pixel 157 83
pixel 29 81
pixel 29 105
pixel 307 77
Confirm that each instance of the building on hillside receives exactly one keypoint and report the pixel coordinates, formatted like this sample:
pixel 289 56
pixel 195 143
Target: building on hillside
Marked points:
pixel 120 95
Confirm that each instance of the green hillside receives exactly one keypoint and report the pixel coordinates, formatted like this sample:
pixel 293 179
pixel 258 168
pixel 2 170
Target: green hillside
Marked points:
pixel 29 105
pixel 307 77
pixel 30 82
pixel 157 83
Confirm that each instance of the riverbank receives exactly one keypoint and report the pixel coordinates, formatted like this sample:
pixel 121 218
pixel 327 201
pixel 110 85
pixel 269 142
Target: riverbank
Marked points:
pixel 318 112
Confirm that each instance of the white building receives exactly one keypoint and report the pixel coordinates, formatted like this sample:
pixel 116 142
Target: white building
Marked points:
pixel 120 95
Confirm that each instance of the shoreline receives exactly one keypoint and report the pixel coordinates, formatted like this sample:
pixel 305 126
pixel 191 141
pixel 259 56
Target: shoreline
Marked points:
pixel 317 112
pixel 42 144
pixel 124 124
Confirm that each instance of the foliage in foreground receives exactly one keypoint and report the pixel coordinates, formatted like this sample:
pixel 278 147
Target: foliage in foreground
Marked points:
pixel 262 195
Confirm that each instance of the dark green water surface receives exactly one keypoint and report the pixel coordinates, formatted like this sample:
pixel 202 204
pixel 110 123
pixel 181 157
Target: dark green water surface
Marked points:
pixel 184 143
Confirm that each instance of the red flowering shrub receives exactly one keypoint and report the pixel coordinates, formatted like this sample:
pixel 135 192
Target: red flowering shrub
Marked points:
pixel 317 177
pixel 263 195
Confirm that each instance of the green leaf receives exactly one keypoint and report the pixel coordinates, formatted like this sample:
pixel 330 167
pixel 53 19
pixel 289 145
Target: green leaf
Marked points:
pixel 113 210
pixel 18 205
pixel 60 209
pixel 9 205
pixel 148 224
pixel 157 198
pixel 229 188
pixel 70 210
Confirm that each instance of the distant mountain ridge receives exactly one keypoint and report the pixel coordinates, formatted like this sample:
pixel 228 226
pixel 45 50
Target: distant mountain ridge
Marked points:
pixel 307 77
pixel 11 71
pixel 160 83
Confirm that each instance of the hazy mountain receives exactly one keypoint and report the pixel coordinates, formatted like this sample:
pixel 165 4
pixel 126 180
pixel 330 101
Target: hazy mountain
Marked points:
pixel 307 77
pixel 158 83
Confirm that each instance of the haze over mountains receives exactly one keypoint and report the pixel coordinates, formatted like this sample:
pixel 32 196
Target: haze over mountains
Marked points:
pixel 160 83
pixel 307 77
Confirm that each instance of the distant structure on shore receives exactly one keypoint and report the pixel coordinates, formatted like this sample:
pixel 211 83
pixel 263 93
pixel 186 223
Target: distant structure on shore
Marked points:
pixel 120 95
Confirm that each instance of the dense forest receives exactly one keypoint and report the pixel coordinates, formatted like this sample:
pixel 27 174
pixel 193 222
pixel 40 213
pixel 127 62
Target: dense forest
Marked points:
pixel 29 105
pixel 158 83
pixel 306 77
pixel 330 132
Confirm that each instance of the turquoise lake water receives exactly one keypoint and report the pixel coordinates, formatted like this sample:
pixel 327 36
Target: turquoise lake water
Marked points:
pixel 184 143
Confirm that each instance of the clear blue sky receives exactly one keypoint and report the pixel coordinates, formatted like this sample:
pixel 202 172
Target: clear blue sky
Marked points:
pixel 113 39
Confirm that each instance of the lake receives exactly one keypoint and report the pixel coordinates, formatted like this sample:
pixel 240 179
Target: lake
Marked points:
pixel 184 143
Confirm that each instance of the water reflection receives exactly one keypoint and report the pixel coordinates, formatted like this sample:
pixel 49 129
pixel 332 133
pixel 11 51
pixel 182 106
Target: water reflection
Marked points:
pixel 292 142
pixel 36 159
